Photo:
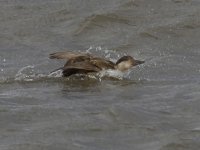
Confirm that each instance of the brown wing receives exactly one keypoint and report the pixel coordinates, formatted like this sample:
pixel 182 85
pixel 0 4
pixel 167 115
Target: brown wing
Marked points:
pixel 82 63
pixel 67 55
pixel 79 68
pixel 102 63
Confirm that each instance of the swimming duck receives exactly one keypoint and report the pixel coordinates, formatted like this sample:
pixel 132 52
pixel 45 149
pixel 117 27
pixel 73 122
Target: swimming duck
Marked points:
pixel 83 63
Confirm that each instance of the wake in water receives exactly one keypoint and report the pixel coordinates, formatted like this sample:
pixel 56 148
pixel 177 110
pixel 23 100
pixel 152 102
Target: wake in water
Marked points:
pixel 27 74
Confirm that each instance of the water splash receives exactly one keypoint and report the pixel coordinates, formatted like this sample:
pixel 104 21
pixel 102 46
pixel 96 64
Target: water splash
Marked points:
pixel 27 74
pixel 55 74
pixel 3 65
pixel 112 74
pixel 106 53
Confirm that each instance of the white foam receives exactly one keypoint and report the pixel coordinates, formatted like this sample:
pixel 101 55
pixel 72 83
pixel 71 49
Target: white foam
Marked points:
pixel 27 73
pixel 56 74
pixel 113 74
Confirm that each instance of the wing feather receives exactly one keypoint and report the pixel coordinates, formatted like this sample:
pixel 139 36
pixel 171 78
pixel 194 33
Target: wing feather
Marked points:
pixel 79 68
pixel 67 55
pixel 102 63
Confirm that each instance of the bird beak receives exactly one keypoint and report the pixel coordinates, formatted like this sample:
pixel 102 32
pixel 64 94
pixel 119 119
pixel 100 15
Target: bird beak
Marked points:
pixel 138 62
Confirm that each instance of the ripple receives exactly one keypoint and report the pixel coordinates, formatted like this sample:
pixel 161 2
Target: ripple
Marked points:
pixel 100 20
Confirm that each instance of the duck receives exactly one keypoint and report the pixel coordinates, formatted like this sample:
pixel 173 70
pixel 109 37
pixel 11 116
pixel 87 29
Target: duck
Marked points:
pixel 84 63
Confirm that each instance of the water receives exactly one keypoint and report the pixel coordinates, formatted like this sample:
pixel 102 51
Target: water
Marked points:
pixel 155 106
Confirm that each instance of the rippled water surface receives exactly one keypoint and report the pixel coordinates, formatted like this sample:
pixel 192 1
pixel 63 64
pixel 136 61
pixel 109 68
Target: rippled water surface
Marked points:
pixel 155 106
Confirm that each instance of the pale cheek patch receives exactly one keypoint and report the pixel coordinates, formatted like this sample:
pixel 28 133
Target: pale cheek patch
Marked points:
pixel 127 65
pixel 124 66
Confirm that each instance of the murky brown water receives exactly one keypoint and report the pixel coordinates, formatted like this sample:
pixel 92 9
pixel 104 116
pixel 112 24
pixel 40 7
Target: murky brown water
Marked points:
pixel 156 106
